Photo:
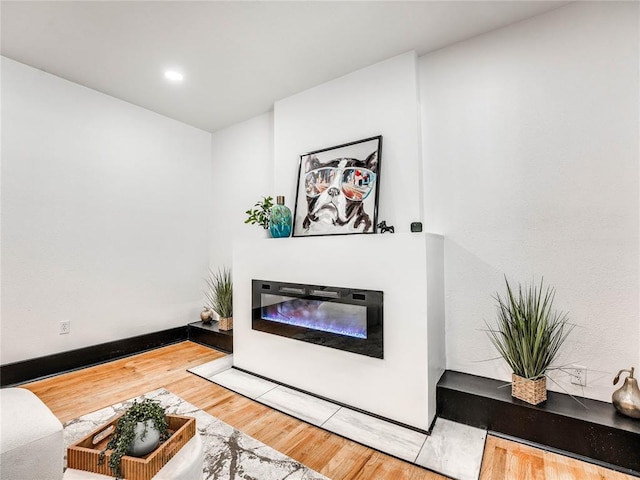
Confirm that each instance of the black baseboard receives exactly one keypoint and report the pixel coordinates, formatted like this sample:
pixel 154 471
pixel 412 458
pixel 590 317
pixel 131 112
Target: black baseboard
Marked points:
pixel 595 431
pixel 335 402
pixel 36 368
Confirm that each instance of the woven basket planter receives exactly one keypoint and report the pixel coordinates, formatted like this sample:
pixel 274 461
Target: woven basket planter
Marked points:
pixel 225 323
pixel 530 391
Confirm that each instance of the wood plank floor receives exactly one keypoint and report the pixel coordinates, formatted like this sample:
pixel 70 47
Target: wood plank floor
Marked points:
pixel 506 459
pixel 73 394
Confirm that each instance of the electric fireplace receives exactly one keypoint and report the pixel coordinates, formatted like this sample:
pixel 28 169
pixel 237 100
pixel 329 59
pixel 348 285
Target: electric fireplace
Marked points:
pixel 343 318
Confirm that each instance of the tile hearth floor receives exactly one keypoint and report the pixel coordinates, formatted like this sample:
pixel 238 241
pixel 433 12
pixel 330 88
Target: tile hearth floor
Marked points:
pixel 452 449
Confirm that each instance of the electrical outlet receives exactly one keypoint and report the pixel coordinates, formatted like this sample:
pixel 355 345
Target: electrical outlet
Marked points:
pixel 578 375
pixel 65 327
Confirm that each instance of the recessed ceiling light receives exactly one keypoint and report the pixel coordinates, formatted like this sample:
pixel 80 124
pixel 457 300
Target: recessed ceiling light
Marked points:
pixel 173 76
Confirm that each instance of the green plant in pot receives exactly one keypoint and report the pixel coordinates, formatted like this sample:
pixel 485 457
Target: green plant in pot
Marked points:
pixel 137 433
pixel 260 214
pixel 220 296
pixel 528 335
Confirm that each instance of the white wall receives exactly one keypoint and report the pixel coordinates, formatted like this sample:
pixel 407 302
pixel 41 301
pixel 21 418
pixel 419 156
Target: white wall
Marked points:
pixel 395 387
pixel 532 169
pixel 104 216
pixel 380 99
pixel 377 100
pixel 242 165
pixel 530 162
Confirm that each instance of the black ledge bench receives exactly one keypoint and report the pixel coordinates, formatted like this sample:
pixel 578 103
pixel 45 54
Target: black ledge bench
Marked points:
pixel 595 432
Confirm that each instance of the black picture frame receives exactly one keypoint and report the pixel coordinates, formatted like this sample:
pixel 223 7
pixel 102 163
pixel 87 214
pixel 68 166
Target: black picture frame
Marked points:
pixel 338 189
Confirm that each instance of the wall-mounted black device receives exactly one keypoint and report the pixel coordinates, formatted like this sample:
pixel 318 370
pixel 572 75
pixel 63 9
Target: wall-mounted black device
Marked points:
pixel 416 226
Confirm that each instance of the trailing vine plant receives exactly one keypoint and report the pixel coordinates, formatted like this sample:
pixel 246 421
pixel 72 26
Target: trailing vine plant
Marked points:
pixel 124 433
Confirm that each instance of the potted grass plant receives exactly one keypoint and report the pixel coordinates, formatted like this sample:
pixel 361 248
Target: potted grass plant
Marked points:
pixel 138 432
pixel 220 296
pixel 528 335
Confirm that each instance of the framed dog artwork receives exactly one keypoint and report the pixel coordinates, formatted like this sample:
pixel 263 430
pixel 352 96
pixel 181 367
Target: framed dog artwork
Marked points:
pixel 337 192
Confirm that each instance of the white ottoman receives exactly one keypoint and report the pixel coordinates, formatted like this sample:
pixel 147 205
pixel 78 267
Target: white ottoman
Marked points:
pixel 31 441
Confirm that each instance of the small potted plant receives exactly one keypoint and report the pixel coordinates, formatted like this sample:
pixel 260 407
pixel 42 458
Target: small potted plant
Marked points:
pixel 260 214
pixel 220 297
pixel 137 433
pixel 528 335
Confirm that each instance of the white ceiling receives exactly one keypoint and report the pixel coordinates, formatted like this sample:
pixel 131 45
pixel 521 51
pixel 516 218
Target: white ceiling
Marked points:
pixel 237 57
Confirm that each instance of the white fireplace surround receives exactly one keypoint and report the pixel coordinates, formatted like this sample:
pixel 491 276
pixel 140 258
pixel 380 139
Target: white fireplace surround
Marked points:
pixel 400 387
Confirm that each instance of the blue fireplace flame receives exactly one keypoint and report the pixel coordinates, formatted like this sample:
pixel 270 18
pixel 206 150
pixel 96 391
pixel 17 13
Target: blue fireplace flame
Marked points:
pixel 338 318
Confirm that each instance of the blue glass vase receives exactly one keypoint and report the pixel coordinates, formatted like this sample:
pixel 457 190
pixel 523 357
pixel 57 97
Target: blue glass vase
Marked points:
pixel 280 219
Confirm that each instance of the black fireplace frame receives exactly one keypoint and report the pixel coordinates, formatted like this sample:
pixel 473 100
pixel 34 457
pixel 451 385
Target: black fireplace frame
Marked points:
pixel 371 346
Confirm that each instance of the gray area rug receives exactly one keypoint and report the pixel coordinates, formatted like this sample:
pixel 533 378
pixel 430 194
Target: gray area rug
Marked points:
pixel 229 453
